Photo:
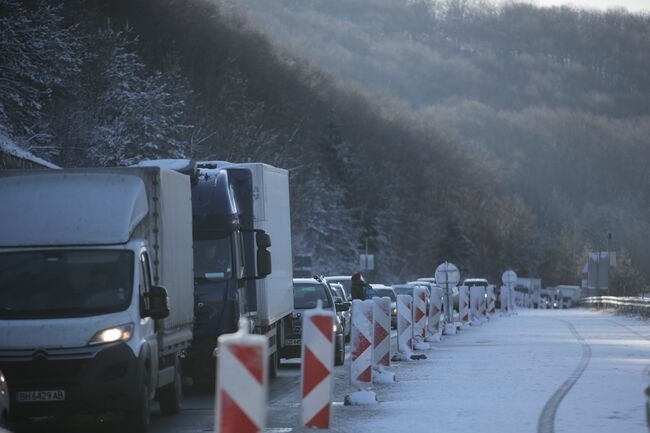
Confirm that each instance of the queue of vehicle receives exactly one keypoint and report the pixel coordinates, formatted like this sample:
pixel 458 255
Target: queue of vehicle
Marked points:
pixel 164 257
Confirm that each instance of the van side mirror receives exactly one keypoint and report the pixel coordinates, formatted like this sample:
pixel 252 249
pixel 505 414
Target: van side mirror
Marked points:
pixel 158 303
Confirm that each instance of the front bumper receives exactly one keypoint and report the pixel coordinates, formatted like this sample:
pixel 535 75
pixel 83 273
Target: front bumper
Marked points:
pixel 91 380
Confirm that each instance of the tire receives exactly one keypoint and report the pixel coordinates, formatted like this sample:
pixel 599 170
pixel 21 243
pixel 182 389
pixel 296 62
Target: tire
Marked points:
pixel 339 351
pixel 274 363
pixel 138 420
pixel 170 397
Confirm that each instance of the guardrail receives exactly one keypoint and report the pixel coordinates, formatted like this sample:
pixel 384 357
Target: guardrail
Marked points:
pixel 626 305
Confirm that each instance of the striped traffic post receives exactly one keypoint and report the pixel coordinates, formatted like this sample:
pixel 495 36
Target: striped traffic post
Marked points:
pixel 405 324
pixel 435 313
pixel 505 302
pixel 475 304
pixel 483 304
pixel 491 300
pixel 316 368
pixel 381 335
pixel 361 340
pixel 242 381
pixel 463 304
pixel 420 298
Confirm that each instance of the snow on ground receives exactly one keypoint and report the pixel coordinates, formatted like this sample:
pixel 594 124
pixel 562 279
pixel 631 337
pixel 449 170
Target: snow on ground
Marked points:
pixel 557 371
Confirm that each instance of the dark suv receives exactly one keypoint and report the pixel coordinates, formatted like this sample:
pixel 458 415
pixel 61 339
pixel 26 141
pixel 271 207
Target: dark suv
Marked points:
pixel 306 293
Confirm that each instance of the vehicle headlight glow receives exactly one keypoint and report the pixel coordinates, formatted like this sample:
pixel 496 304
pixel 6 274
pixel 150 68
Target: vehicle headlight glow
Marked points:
pixel 111 335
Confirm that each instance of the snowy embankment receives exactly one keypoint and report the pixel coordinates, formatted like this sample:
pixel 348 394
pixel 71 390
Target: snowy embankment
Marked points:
pixel 540 370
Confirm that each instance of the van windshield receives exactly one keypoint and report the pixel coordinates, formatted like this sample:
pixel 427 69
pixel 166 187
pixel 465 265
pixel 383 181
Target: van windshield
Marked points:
pixel 64 283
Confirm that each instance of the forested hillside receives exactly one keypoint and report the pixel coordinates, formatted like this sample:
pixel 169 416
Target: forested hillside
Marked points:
pixel 451 130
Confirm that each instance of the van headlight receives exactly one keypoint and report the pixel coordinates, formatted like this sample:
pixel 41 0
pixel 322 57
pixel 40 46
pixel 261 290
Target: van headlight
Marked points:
pixel 111 335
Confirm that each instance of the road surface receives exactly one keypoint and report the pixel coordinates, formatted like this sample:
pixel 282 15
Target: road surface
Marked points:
pixel 545 371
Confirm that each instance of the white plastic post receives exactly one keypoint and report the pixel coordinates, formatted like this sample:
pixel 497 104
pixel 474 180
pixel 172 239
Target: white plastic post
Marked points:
pixel 491 300
pixel 475 293
pixel 381 335
pixel 435 313
pixel 242 381
pixel 405 324
pixel 505 302
pixel 316 368
pixel 463 304
pixel 483 304
pixel 361 340
pixel 420 313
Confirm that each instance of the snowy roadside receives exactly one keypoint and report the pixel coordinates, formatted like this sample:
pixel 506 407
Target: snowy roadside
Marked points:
pixel 498 377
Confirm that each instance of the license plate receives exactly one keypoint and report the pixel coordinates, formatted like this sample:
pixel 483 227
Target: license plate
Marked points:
pixel 292 342
pixel 36 396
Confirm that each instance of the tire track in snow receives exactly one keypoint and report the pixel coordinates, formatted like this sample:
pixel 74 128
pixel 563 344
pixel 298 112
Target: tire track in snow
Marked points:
pixel 546 422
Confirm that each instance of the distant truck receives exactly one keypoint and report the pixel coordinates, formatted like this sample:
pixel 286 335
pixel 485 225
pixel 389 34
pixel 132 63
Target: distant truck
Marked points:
pixel 569 296
pixel 240 212
pixel 96 291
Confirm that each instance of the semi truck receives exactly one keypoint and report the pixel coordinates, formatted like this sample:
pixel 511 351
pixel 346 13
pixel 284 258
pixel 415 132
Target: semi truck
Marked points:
pixel 242 257
pixel 96 291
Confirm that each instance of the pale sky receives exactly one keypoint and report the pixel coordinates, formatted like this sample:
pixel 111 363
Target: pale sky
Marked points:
pixel 630 5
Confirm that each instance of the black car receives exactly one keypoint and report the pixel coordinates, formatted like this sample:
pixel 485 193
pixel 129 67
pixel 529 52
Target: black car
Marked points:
pixel 345 316
pixel 306 293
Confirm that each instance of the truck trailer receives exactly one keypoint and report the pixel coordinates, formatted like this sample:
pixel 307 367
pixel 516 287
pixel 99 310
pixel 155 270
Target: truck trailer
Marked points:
pixel 96 291
pixel 242 257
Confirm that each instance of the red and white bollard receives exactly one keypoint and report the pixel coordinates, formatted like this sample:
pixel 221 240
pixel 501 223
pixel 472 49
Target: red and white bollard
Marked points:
pixel 405 324
pixel 491 300
pixel 435 313
pixel 475 293
pixel 317 364
pixel 420 298
pixel 381 335
pixel 242 381
pixel 361 340
pixel 463 304
pixel 483 305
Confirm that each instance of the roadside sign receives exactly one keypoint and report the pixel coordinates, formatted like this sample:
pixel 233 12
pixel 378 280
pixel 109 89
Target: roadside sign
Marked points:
pixel 447 274
pixel 509 277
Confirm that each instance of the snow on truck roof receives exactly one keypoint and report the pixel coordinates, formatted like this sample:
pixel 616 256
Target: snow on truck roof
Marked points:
pixel 69 208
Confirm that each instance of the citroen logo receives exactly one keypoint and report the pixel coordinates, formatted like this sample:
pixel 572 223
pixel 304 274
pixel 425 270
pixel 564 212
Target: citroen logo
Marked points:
pixel 39 353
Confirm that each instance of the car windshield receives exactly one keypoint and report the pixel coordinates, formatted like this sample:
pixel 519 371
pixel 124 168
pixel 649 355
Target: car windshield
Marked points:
pixel 306 296
pixel 346 282
pixel 403 290
pixel 64 283
pixel 386 293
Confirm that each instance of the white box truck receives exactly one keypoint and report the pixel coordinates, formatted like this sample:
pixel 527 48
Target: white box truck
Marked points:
pixel 96 291
pixel 261 194
pixel 242 256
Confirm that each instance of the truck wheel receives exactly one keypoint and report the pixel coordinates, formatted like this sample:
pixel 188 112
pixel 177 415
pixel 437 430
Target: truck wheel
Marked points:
pixel 274 363
pixel 138 419
pixel 170 396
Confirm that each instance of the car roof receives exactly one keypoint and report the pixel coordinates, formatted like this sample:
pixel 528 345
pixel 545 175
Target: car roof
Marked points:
pixel 475 280
pixel 305 280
